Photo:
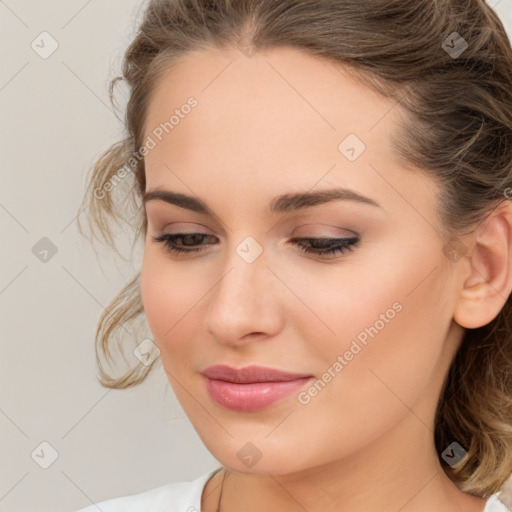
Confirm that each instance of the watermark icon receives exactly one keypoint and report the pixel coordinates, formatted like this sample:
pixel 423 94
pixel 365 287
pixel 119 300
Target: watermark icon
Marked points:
pixel 249 249
pixel 146 352
pixel 44 45
pixel 149 144
pixel 454 45
pixel 454 454
pixel 304 397
pixel 44 250
pixel 454 250
pixel 44 455
pixel 352 147
pixel 248 49
pixel 249 454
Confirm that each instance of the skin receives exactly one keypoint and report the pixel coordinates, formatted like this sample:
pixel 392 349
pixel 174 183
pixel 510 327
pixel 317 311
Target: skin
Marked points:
pixel 271 124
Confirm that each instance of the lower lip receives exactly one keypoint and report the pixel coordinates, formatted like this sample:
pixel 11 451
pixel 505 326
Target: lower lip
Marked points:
pixel 253 396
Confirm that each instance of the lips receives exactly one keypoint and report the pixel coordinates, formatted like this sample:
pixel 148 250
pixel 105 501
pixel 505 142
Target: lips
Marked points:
pixel 251 388
pixel 250 374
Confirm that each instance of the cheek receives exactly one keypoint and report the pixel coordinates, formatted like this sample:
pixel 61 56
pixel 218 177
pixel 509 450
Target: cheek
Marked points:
pixel 390 317
pixel 168 296
pixel 386 377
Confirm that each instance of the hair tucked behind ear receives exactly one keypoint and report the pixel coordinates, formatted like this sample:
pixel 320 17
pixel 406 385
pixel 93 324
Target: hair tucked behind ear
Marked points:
pixel 458 130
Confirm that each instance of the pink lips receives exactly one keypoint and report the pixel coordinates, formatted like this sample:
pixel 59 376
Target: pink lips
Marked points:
pixel 251 388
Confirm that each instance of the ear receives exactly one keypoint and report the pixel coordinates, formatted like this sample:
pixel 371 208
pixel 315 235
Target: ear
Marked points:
pixel 487 273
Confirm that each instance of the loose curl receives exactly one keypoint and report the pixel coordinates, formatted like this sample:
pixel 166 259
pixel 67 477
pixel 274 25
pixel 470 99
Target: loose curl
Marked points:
pixel 458 130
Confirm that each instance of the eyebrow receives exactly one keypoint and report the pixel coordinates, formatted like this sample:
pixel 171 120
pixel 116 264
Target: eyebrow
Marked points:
pixel 281 204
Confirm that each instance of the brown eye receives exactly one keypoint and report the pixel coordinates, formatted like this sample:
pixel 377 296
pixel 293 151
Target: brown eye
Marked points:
pixel 185 239
pixel 326 246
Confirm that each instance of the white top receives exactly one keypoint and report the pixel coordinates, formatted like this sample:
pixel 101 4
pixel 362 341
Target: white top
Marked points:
pixel 186 497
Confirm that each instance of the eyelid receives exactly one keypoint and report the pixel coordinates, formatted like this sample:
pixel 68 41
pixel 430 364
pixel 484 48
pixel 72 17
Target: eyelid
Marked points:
pixel 317 229
pixel 341 232
pixel 159 213
pixel 190 226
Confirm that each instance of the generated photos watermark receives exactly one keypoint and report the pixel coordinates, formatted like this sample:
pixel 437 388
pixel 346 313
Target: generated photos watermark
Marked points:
pixel 157 135
pixel 305 397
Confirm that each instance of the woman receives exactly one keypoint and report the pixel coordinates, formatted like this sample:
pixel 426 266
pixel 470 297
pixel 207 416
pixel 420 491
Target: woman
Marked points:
pixel 323 190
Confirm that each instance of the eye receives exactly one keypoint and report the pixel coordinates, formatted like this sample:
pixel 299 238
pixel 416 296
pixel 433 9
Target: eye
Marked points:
pixel 320 246
pixel 186 239
pixel 327 246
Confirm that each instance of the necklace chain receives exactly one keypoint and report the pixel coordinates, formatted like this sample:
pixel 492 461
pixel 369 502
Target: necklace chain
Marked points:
pixel 221 489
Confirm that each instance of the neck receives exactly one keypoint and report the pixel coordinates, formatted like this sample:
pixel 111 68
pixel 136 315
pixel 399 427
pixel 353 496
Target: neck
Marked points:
pixel 395 472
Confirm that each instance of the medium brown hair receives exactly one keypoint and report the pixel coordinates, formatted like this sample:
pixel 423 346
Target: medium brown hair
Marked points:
pixel 458 129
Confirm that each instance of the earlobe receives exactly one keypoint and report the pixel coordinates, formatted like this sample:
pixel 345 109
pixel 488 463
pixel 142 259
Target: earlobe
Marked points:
pixel 487 280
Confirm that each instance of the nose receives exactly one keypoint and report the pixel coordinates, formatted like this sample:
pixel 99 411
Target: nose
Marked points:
pixel 245 302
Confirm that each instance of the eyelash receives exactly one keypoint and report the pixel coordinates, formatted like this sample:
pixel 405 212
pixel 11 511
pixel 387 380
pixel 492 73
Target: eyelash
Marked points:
pixel 343 244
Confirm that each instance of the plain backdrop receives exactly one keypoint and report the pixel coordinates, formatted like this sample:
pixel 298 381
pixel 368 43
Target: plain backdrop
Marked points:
pixel 55 121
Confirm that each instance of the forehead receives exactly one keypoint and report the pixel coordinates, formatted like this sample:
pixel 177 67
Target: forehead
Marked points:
pixel 274 90
pixel 270 121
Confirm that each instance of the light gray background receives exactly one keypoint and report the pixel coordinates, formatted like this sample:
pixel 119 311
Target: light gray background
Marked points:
pixel 55 120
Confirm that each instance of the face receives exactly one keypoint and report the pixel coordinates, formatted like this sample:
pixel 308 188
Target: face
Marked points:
pixel 370 323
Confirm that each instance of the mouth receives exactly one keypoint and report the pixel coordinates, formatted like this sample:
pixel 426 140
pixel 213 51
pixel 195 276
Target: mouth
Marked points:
pixel 251 388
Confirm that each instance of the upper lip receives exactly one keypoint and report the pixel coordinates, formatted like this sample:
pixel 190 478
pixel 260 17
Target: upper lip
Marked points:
pixel 250 374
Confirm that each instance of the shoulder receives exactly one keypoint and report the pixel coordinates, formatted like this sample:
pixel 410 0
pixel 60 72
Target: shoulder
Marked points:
pixel 173 497
pixel 493 504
